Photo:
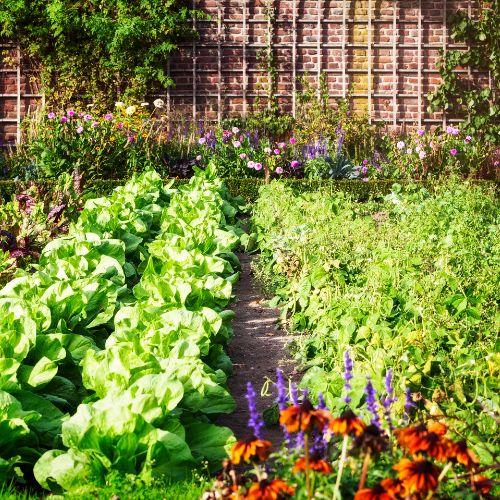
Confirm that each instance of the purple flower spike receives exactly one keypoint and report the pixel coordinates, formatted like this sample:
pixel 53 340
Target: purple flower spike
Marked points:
pixel 254 422
pixel 371 403
pixel 295 394
pixel 409 404
pixel 282 398
pixel 348 366
pixel 321 401
pixel 389 398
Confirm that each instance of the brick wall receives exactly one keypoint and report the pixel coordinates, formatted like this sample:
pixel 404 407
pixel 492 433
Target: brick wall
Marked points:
pixel 383 51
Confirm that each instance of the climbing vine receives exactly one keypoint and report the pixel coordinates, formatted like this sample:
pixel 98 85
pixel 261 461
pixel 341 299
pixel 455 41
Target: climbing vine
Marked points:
pixel 460 93
pixel 96 50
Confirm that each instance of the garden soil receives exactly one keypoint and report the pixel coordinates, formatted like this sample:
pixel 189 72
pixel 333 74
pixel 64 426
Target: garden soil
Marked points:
pixel 258 347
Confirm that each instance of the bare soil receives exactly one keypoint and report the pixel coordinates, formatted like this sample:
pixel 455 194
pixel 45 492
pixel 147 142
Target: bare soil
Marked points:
pixel 258 347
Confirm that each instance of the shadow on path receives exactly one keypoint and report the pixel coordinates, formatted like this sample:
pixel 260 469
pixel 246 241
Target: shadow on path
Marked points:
pixel 256 350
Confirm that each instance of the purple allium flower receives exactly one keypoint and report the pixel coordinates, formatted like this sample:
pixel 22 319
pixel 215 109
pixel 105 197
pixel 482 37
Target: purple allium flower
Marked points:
pixel 64 119
pixel 294 164
pixel 371 403
pixel 321 401
pixel 279 170
pixel 409 404
pixel 348 366
pixel 282 398
pixel 79 129
pixel 255 421
pixel 51 115
pixel 453 152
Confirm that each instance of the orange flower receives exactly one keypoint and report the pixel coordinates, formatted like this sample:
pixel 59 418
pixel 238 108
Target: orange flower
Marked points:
pixel 463 455
pixel 304 417
pixel 387 489
pixel 318 465
pixel 269 490
pixel 481 484
pixel 419 475
pixel 251 450
pixel 429 439
pixel 347 424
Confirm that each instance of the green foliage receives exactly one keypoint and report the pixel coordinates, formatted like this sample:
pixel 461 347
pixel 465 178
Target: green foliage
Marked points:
pixel 338 167
pixel 458 94
pixel 111 353
pixel 96 51
pixel 408 282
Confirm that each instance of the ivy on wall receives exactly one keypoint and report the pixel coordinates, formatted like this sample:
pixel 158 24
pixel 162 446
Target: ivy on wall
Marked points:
pixel 97 50
pixel 459 94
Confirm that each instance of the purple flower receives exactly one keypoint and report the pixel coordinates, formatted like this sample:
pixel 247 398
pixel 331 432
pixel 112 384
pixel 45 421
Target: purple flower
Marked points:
pixel 258 166
pixel 130 138
pixel 294 164
pixel 468 138
pixel 277 151
pixel 64 119
pixel 348 366
pixel 95 124
pixel 282 398
pixel 340 142
pixel 295 394
pixel 292 140
pixel 409 404
pixel 108 117
pixel 71 113
pixel 453 152
pixel 202 140
pixel 420 132
pixel 321 401
pixel 371 403
pixel 87 117
pixel 255 421
pixel 365 162
pixel 51 115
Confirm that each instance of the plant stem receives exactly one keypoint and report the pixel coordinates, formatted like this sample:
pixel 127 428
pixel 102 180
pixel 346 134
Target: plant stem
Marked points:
pixel 343 455
pixel 444 471
pixel 364 471
pixel 308 479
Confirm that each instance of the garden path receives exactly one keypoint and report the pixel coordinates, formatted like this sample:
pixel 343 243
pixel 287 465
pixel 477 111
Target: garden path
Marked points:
pixel 258 347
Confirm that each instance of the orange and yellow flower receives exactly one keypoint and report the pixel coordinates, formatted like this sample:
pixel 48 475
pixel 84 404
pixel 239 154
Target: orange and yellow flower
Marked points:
pixel 304 417
pixel 417 476
pixel 317 465
pixel 347 424
pixel 275 489
pixel 463 455
pixel 426 438
pixel 387 489
pixel 251 450
pixel 481 484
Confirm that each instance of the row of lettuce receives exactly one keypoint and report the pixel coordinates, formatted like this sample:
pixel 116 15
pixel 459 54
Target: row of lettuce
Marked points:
pixel 111 350
pixel 408 282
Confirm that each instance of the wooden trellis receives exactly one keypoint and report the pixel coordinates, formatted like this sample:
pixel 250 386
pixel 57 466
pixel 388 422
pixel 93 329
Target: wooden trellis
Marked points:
pixel 323 20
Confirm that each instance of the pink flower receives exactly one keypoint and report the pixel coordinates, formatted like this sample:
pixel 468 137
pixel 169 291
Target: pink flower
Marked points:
pixel 422 154
pixel 202 140
pixel 452 130
pixel 292 140
pixel 294 164
pixel 51 115
pixel 130 138
pixel 277 151
pixel 71 113
pixel 365 162
pixel 251 164
pixel 95 124
pixel 258 166
pixel 79 129
pixel 279 170
pixel 409 151
pixel 243 156
pixel 235 130
pixel 236 144
pixel 453 152
pixel 64 119
pixel 420 132
pixel 87 117
pixel 267 151
pixel 468 139
pixel 108 117
pixel 281 145
pixel 119 125
pixel 365 179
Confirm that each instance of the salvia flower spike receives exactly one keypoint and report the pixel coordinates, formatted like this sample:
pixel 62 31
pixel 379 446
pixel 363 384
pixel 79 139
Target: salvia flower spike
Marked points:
pixel 348 366
pixel 371 403
pixel 282 398
pixel 255 421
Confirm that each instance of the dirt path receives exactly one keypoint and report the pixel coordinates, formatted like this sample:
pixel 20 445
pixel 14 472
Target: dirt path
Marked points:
pixel 256 350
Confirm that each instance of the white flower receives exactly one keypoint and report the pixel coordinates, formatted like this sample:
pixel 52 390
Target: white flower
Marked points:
pixel 422 154
pixel 409 151
pixel 119 104
pixel 400 145
pixel 131 110
pixel 235 130
pixel 236 144
pixel 144 104
pixel 90 105
pixel 158 103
